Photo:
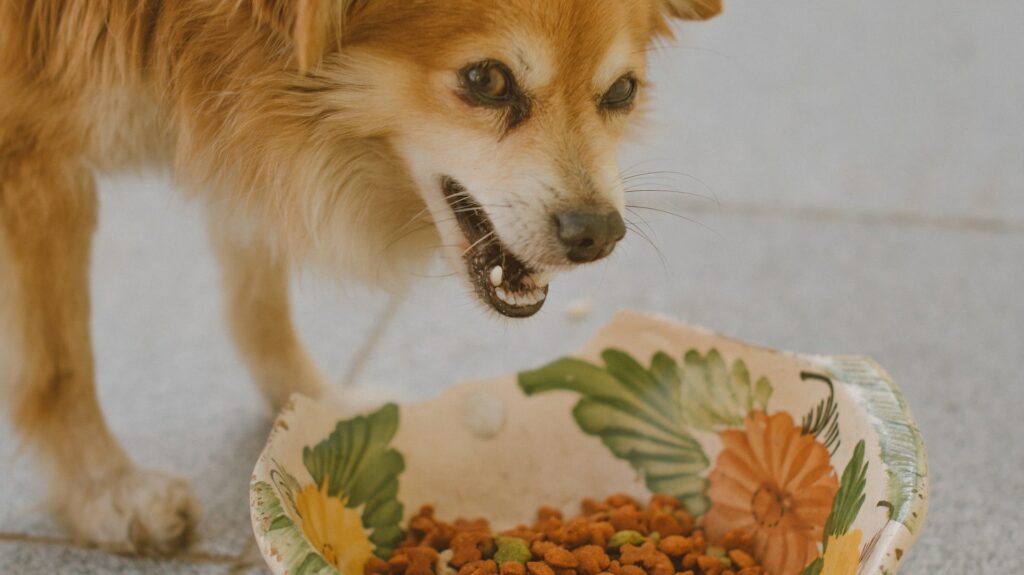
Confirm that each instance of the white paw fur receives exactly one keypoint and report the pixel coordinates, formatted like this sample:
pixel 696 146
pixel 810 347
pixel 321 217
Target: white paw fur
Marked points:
pixel 139 511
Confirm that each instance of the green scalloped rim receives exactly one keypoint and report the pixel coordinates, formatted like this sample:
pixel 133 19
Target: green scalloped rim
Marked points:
pixel 902 448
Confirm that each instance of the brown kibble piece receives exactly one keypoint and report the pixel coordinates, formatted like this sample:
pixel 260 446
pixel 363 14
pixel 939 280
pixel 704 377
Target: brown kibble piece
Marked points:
pixel 560 558
pixel 470 546
pixel 685 573
pixel 690 560
pixel 440 538
pixel 574 533
pixel 592 559
pixel 728 572
pixel 592 506
pixel 421 560
pixel 539 548
pixel 627 519
pixel 645 554
pixel 739 539
pixel 709 562
pixel 615 568
pixel 620 500
pixel 423 521
pixel 685 520
pixel 741 558
pixel 375 566
pixel 464 554
pixel 398 564
pixel 565 571
pixel 488 567
pixel 632 570
pixel 751 571
pixel 512 568
pixel 524 533
pixel 665 524
pixel 548 513
pixel 675 546
pixel 660 501
pixel 600 533
pixel 661 565
pixel 548 526
pixel 539 568
pixel 630 555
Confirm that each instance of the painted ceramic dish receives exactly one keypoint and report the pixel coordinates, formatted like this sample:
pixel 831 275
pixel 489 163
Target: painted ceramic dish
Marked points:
pixel 817 457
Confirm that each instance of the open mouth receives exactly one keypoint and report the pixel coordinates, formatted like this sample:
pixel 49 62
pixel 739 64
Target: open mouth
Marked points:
pixel 501 279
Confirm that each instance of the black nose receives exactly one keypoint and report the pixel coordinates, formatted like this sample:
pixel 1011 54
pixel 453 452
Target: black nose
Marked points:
pixel 589 235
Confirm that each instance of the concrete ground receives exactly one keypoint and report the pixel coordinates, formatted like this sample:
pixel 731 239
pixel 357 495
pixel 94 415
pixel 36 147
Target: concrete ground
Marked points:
pixel 868 166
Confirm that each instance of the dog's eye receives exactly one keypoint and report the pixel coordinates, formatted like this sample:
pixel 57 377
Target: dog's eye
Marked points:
pixel 621 94
pixel 488 82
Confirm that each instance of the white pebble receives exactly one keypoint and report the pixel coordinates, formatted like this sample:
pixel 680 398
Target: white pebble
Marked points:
pixel 579 309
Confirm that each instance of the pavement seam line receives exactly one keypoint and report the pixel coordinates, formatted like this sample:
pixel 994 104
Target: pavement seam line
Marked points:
pixel 196 557
pixel 894 219
pixel 244 560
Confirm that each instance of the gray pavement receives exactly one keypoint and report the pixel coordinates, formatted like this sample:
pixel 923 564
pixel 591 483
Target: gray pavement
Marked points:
pixel 867 164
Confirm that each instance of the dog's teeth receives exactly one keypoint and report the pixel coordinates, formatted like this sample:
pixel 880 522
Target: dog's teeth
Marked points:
pixel 527 299
pixel 539 295
pixel 497 276
pixel 500 292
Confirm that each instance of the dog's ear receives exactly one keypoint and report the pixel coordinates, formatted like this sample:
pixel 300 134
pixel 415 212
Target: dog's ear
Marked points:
pixel 693 9
pixel 309 25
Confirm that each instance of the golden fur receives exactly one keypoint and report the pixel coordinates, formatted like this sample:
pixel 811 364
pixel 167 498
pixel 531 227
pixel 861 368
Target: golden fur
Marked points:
pixel 314 131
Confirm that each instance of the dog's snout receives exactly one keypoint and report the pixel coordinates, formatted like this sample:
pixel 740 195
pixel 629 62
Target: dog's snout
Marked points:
pixel 589 235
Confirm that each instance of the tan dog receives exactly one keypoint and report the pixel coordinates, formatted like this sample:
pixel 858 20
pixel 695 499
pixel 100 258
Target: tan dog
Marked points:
pixel 355 134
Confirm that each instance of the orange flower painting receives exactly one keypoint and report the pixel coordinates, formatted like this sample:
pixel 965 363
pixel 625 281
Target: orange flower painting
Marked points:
pixel 778 485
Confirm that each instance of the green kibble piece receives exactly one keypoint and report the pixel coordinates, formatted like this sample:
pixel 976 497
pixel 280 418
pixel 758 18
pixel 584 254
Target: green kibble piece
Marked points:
pixel 512 549
pixel 656 537
pixel 626 536
pixel 717 552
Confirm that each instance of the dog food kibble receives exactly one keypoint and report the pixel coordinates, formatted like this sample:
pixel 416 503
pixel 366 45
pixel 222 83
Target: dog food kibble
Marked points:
pixel 511 549
pixel 617 536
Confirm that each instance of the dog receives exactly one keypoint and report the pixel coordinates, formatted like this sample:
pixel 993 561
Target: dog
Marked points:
pixel 356 135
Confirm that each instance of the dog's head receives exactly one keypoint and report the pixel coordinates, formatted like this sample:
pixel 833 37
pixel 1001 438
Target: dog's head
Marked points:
pixel 505 116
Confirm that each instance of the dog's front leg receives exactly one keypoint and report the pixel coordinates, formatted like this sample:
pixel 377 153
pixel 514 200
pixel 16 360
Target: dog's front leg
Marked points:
pixel 47 218
pixel 259 315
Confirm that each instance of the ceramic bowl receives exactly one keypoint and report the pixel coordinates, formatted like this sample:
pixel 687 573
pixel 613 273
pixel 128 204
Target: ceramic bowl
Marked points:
pixel 818 457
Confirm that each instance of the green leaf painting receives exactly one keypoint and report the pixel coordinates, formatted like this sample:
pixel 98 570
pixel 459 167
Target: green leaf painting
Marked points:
pixel 846 504
pixel 355 462
pixel 850 496
pixel 823 421
pixel 814 568
pixel 716 395
pixel 283 536
pixel 642 413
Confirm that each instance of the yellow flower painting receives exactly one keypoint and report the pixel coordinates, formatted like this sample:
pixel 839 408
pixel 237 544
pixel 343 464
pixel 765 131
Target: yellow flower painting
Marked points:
pixel 335 531
pixel 842 556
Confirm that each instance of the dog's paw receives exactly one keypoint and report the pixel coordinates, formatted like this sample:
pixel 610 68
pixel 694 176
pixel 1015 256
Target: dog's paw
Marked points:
pixel 142 512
